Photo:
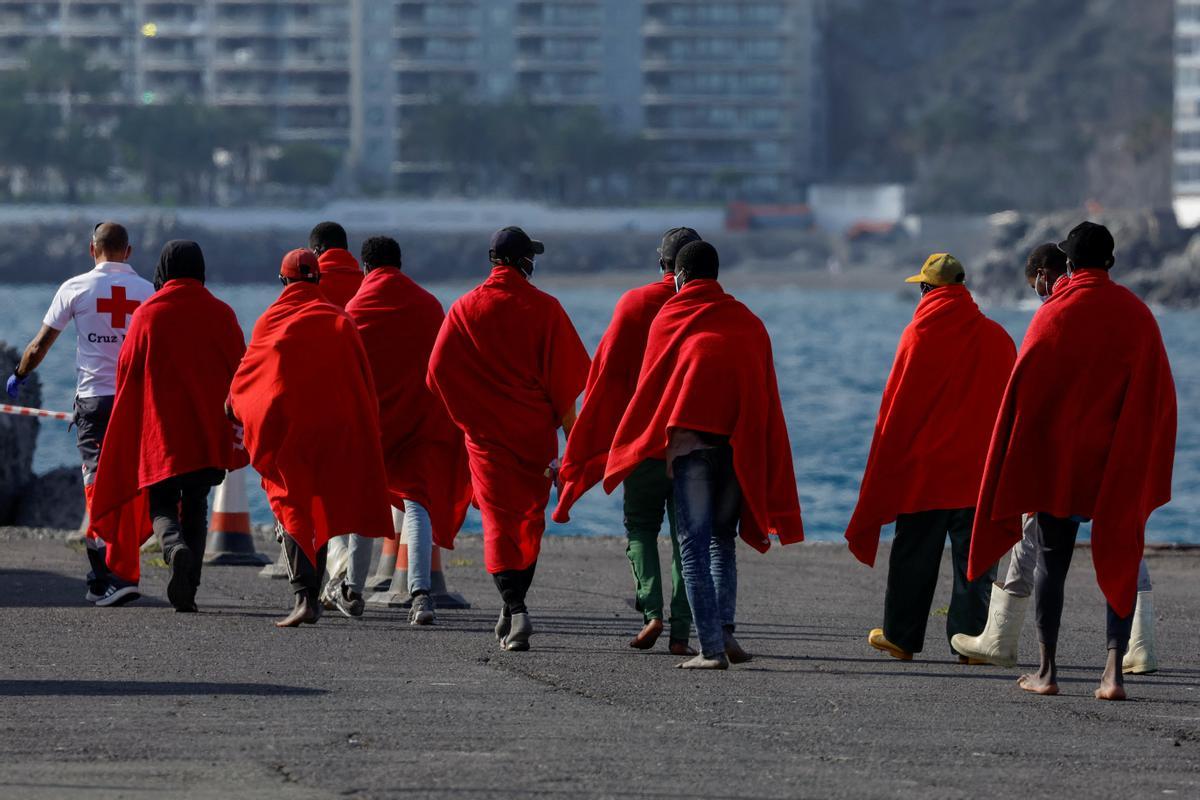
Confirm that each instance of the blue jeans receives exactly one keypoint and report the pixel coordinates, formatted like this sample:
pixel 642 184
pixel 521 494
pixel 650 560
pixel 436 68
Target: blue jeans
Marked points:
pixel 418 536
pixel 708 505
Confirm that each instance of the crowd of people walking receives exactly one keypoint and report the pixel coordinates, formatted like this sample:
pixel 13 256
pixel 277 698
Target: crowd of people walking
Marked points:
pixel 358 395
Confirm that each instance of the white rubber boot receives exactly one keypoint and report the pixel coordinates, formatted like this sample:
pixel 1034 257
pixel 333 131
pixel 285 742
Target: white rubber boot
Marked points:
pixel 998 642
pixel 1141 657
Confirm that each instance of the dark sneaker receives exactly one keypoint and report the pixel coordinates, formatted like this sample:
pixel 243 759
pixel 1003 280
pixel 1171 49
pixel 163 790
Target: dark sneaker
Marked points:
pixel 96 590
pixel 180 589
pixel 119 593
pixel 519 633
pixel 422 612
pixel 350 604
pixel 503 625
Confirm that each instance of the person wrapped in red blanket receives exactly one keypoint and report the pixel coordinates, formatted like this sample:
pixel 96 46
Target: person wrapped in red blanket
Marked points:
pixel 168 436
pixel 1086 431
pixel 610 386
pixel 305 395
pixel 926 459
pixel 423 450
pixel 340 274
pixel 707 403
pixel 349 557
pixel 509 366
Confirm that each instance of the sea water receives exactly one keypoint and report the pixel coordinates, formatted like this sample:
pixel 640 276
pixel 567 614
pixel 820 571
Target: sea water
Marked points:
pixel 833 350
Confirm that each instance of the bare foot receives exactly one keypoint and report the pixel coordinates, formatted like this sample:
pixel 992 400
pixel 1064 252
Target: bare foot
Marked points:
pixel 702 662
pixel 1112 685
pixel 306 612
pixel 1037 684
pixel 647 636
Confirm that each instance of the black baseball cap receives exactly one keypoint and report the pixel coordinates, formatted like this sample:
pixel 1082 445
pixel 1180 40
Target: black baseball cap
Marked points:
pixel 1089 245
pixel 512 242
pixel 673 241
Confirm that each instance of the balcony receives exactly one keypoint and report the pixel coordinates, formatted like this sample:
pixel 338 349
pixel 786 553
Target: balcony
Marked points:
pixel 445 31
pixel 539 64
pixel 81 29
pixel 432 64
pixel 671 30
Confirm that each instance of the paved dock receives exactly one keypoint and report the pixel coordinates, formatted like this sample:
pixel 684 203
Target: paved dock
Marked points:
pixel 140 702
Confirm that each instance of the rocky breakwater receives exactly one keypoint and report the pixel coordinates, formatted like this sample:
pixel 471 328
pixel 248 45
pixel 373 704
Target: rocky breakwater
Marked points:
pixel 52 500
pixel 1156 258
pixel 60 250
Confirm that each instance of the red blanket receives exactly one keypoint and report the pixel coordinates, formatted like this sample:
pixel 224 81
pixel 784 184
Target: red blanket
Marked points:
pixel 708 367
pixel 610 386
pixel 936 418
pixel 509 366
pixel 340 276
pixel 423 450
pixel 1087 428
pixel 168 418
pixel 305 395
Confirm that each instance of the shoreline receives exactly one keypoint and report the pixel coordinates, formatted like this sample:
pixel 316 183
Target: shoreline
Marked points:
pixel 264 539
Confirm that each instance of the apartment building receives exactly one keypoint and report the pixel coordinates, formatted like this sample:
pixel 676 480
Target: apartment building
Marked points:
pixel 289 59
pixel 1187 99
pixel 728 90
pixel 731 90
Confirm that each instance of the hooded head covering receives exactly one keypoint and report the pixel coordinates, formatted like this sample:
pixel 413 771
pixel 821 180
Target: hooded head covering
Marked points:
pixel 179 259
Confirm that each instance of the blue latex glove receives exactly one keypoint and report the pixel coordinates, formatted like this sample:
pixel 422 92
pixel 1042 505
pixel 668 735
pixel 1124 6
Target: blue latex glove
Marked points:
pixel 13 387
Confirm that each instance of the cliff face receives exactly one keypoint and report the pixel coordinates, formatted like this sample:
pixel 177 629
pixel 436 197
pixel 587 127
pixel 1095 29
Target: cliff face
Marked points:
pixel 986 105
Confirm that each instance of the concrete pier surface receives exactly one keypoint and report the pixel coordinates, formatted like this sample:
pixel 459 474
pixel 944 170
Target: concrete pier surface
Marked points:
pixel 140 702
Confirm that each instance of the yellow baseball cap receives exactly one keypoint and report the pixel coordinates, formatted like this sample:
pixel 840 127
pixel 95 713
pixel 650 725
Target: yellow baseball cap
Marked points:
pixel 940 269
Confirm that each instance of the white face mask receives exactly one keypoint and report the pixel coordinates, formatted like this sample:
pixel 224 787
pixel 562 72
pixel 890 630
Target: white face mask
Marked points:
pixel 678 282
pixel 532 265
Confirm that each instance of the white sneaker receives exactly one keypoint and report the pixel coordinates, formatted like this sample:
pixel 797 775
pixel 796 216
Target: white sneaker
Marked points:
pixel 119 595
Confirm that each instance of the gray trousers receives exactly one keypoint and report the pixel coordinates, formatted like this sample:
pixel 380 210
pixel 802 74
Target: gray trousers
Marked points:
pixel 350 558
pixel 1025 562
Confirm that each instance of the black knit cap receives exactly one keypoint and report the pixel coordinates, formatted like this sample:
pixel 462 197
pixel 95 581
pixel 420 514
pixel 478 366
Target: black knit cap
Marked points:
pixel 179 259
pixel 1089 245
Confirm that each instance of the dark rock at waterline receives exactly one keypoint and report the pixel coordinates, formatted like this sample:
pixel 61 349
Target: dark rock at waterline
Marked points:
pixel 1155 258
pixel 52 500
pixel 60 251
pixel 18 438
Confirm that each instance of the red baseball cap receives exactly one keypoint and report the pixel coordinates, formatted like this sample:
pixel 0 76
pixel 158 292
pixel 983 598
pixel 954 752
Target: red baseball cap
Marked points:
pixel 299 264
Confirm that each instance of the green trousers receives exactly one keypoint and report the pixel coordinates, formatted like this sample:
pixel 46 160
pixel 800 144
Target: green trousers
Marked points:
pixel 647 496
pixel 913 577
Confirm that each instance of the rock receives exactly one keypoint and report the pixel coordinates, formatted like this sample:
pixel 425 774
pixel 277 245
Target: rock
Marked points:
pixel 1156 258
pixel 53 500
pixel 18 438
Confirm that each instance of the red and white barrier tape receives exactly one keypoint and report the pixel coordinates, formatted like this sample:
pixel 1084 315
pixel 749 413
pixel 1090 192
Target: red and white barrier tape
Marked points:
pixel 22 411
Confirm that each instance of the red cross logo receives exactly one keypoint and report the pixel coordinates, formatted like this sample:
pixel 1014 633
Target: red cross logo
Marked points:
pixel 118 305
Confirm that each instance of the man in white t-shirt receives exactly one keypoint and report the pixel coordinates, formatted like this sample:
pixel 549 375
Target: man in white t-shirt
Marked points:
pixel 100 303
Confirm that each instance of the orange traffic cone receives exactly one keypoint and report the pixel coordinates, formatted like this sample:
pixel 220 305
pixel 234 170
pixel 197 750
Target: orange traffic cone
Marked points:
pixel 397 595
pixel 381 581
pixel 230 542
pixel 277 569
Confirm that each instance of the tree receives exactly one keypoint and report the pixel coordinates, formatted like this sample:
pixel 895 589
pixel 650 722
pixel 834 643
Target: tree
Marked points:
pixel 304 164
